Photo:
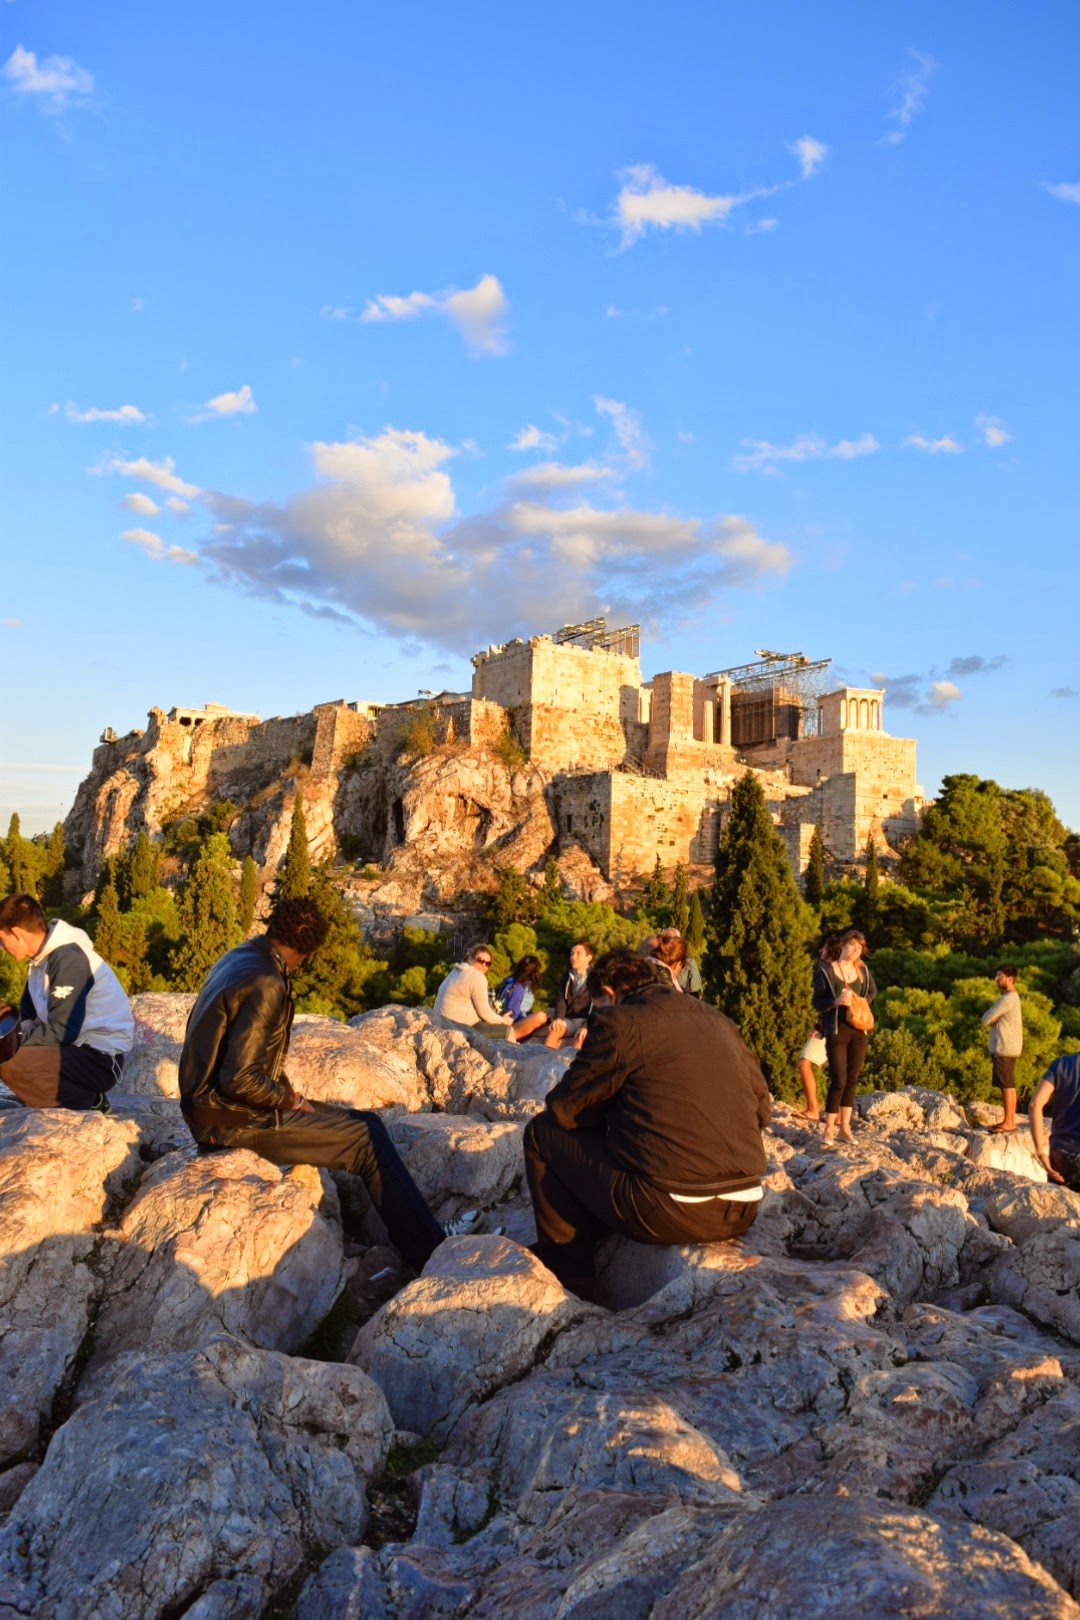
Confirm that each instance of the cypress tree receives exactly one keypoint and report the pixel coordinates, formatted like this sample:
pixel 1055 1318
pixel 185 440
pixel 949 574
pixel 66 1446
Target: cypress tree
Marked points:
pixel 209 925
pixel 5 880
pixel 294 874
pixel 551 893
pixel 756 968
pixel 52 887
pixel 249 894
pixel 695 928
pixel 814 876
pixel 20 855
pixel 144 867
pixel 680 907
pixel 107 934
pixel 655 893
pixel 871 881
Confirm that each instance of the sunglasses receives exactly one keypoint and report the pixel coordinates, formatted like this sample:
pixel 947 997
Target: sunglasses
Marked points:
pixel 482 961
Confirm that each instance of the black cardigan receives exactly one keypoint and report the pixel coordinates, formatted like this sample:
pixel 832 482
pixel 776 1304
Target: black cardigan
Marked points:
pixel 828 985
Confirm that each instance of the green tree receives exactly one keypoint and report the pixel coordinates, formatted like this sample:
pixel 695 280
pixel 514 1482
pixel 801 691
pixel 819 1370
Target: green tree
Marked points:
pixel 680 907
pixel 695 928
pixel 144 868
pixel 868 909
pixel 294 875
pixel 23 859
pixel 52 876
pixel 249 894
pixel 343 977
pixel 209 925
pixel 550 896
pixel 959 857
pixel 5 877
pixel 513 900
pixel 107 931
pixel 655 893
pixel 756 968
pixel 814 876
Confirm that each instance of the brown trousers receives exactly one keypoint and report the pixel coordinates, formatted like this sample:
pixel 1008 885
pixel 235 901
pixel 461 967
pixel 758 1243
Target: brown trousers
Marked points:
pixel 60 1076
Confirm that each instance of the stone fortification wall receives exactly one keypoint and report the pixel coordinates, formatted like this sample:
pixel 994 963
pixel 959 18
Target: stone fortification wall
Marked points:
pixel 342 731
pixel 471 721
pixel 572 706
pixel 867 787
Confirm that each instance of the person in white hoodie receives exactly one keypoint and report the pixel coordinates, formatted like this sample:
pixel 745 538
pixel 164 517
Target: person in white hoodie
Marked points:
pixel 65 1046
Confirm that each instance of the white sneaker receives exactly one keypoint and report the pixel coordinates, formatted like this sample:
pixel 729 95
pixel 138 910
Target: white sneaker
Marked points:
pixel 465 1223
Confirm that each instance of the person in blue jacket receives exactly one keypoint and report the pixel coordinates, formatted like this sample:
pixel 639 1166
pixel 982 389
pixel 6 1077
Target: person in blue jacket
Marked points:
pixel 516 995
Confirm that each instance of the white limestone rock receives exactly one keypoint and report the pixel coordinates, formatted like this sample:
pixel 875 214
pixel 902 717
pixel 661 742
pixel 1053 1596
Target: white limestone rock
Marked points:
pixel 221 1242
pixel 1025 1208
pixel 60 1172
pixel 476 1319
pixel 459 1160
pixel 1014 1152
pixel 188 1467
pixel 1041 1277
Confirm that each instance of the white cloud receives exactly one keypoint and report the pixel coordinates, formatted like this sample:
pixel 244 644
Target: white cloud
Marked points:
pixel 175 504
pixel 142 505
pixel 646 199
pixel 155 547
pixel 945 446
pixel 1065 192
pixel 553 475
pixel 634 444
pixel 239 403
pixel 758 455
pixel 54 78
pixel 993 430
pixel 810 153
pixel 761 225
pixel 479 312
pixel 377 537
pixel 910 91
pixel 941 694
pixel 533 438
pixel 124 415
pixel 158 473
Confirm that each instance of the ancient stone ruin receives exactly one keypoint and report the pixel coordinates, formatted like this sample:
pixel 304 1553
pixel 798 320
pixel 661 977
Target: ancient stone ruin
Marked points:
pixel 560 748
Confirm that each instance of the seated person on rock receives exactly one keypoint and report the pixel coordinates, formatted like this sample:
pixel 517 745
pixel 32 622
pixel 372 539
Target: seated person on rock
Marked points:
pixel 654 1131
pixel 74 1024
pixel 463 996
pixel 687 974
pixel 516 995
pixel 234 1092
pixel 573 999
pixel 1060 1085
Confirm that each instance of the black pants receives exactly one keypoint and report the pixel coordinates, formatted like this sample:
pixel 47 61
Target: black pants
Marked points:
pixel 580 1194
pixel 60 1076
pixel 350 1139
pixel 845 1052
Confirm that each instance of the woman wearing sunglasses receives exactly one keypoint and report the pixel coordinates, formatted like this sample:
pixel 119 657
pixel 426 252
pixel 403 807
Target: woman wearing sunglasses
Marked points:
pixel 464 997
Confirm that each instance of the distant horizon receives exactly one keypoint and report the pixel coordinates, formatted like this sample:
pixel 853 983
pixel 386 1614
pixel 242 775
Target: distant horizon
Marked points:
pixel 336 351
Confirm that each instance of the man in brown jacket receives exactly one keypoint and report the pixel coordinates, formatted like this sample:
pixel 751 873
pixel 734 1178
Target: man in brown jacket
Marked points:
pixel 654 1131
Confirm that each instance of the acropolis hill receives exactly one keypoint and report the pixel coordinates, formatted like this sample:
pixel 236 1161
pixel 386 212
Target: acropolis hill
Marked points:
pixel 560 748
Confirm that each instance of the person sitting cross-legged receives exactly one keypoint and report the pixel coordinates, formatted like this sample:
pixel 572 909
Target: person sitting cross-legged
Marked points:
pixel 234 1092
pixel 654 1131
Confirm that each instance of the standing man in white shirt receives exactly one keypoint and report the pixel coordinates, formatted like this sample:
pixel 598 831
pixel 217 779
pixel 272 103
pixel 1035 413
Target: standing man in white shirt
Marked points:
pixel 1006 1025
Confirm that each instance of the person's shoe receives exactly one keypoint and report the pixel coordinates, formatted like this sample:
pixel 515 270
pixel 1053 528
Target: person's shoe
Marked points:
pixel 465 1224
pixel 103 1105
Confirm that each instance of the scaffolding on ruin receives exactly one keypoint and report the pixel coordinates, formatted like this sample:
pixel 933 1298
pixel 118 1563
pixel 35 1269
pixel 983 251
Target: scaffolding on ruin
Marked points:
pixel 594 634
pixel 776 696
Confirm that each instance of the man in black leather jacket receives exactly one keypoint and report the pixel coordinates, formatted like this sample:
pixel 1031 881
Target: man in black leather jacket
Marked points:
pixel 234 1091
pixel 654 1131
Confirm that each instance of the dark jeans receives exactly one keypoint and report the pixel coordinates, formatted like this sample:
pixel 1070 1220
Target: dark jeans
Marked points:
pixel 1067 1164
pixel 845 1052
pixel 60 1076
pixel 580 1194
pixel 350 1139
pixel 1004 1071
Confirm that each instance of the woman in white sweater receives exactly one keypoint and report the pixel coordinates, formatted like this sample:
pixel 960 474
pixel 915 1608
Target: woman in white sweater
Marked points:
pixel 463 996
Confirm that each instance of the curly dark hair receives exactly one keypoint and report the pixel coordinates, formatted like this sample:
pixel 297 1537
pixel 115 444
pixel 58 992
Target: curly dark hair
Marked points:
pixel 625 971
pixel 299 924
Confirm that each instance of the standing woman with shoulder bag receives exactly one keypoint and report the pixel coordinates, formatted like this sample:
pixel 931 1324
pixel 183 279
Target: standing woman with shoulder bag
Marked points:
pixel 843 991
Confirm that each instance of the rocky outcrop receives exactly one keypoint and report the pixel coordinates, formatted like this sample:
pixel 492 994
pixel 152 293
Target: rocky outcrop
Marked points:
pixel 221 1242
pixel 207 1474
pixel 867 1405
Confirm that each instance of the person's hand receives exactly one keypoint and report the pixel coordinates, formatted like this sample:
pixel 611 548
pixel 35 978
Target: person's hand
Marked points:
pixel 579 1039
pixel 1051 1173
pixel 844 999
pixel 558 1028
pixel 304 1106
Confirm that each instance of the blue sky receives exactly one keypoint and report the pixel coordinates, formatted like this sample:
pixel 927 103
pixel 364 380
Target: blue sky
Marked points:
pixel 340 342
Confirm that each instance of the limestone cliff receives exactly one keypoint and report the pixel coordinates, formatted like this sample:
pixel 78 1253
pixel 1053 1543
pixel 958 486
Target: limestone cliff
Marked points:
pixel 437 823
